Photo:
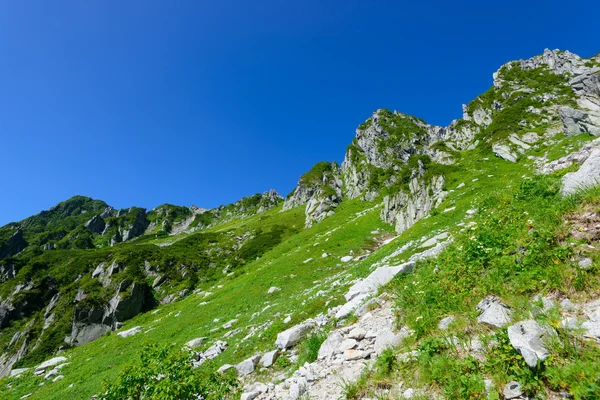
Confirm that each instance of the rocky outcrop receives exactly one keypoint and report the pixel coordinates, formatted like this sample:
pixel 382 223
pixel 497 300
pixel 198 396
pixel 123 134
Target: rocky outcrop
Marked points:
pixel 269 200
pixel 576 157
pixel 587 176
pixel 15 244
pixel 405 209
pixel 96 224
pixel 91 323
pixel 320 189
pixel 27 300
pixel 137 227
pixel 579 121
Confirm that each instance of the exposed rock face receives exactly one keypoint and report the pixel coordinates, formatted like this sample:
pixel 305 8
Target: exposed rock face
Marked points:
pixel 30 300
pixel 269 200
pixel 15 244
pixel 587 176
pixel 137 228
pixel 404 210
pixel 96 224
pixel 320 189
pixel 90 324
pixel 576 157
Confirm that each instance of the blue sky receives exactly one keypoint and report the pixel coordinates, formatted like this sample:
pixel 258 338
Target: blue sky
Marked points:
pixel 147 102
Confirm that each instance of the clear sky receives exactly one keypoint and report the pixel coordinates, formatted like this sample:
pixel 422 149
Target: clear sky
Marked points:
pixel 204 102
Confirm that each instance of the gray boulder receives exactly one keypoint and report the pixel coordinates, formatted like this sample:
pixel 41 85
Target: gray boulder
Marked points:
pixel 512 390
pixel 527 337
pixel 330 347
pixel 503 151
pixel 493 312
pixel 294 335
pixel 387 339
pixel 587 176
pixel 247 366
pixel 269 358
pixel 578 121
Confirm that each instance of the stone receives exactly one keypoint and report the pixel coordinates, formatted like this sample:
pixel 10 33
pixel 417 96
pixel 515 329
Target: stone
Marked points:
pixel 329 348
pixel 130 332
pixel 347 344
pixel 18 371
pixel 445 323
pixel 224 368
pixel 387 339
pixel 273 289
pixel 493 312
pixel 585 263
pixel 195 343
pixel 217 348
pixel 587 176
pixel 50 363
pixel 230 324
pixel 269 358
pixel 376 279
pixel 527 337
pixel 357 333
pixel 351 354
pixel 512 390
pixel 293 335
pixel 247 366
pixel 578 121
pixel 249 395
pixel 298 388
pixel 504 151
pixel 346 259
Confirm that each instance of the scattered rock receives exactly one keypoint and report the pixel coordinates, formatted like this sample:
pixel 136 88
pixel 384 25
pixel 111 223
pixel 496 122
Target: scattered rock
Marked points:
pixel 269 358
pixel 330 346
pixel 273 289
pixel 493 312
pixel 247 366
pixel 512 390
pixel 346 259
pixel 293 335
pixel 130 332
pixel 587 176
pixel 445 323
pixel 386 338
pixel 195 343
pixel 527 337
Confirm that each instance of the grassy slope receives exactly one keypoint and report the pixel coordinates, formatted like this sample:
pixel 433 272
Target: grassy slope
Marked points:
pixel 244 293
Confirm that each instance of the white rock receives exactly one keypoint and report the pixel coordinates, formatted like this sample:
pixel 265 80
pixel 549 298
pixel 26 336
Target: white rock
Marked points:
pixel 493 312
pixel 130 332
pixel 357 333
pixel 386 338
pixel 346 259
pixel 444 324
pixel 376 279
pixel 587 176
pixel 269 358
pixel 247 366
pixel 249 395
pixel 347 344
pixel 293 335
pixel 195 343
pixel 330 346
pixel 527 337
pixel 229 324
pixel 50 363
pixel 224 368
pixel 512 390
pixel 273 289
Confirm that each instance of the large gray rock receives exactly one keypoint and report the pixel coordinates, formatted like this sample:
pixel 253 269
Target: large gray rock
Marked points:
pixel 388 339
pixel 587 176
pixel 247 366
pixel 505 152
pixel 376 279
pixel 528 337
pixel 330 347
pixel 512 390
pixel 269 358
pixel 493 312
pixel 578 121
pixel 130 332
pixel 294 335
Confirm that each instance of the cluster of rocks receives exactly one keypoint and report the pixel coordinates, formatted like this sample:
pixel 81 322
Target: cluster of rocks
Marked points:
pixel 342 357
pixel 515 145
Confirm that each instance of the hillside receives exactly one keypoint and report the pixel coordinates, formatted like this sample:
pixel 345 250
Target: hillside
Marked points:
pixel 433 262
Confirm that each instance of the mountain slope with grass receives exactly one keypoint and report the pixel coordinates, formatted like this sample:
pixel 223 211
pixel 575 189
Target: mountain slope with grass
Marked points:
pixel 433 262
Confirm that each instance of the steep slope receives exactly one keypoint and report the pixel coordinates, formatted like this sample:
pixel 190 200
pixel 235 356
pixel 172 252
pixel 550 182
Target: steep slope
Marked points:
pixel 246 273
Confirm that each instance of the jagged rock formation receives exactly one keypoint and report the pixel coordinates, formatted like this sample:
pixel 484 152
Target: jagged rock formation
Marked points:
pixel 405 209
pixel 320 189
pixel 13 245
